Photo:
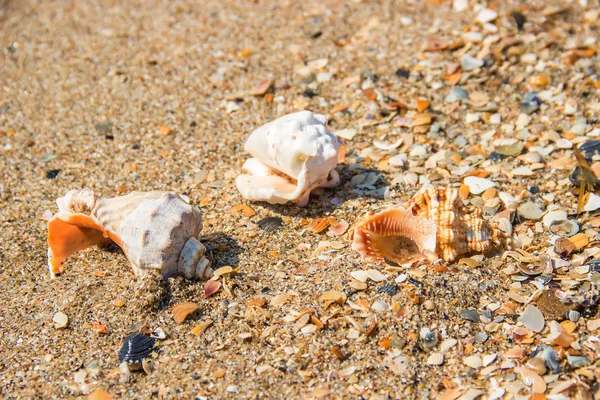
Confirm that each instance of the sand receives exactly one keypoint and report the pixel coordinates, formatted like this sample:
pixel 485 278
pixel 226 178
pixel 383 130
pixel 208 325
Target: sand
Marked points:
pixel 155 95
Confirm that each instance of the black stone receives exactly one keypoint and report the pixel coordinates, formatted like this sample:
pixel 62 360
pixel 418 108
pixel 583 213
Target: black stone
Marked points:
pixel 53 173
pixel 519 19
pixel 402 73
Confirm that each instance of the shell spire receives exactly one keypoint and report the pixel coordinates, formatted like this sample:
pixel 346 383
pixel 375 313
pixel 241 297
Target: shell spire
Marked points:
pixel 156 230
pixel 434 223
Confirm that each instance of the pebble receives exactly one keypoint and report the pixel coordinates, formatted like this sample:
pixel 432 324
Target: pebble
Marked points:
pixel 380 306
pixel 522 171
pixel 375 275
pixel 232 389
pixel 470 63
pixel 347 134
pixel 593 203
pixel 361 276
pixel 470 315
pixel 532 157
pixel 532 318
pixel 429 305
pixel 418 151
pixel 486 15
pixel 447 344
pixel 478 185
pixel 473 361
pixel 435 359
pixel 530 211
pixel 60 320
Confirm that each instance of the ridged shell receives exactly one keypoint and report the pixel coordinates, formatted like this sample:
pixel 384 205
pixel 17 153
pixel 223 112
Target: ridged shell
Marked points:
pixel 156 230
pixel 136 347
pixel 434 221
pixel 292 156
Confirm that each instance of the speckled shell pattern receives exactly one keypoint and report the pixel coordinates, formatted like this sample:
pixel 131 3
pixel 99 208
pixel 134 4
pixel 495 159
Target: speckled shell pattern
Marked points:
pixel 435 220
pixel 460 230
pixel 156 230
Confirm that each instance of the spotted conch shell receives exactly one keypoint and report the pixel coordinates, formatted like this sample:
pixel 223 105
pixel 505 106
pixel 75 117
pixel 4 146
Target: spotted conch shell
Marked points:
pixel 156 230
pixel 292 156
pixel 435 223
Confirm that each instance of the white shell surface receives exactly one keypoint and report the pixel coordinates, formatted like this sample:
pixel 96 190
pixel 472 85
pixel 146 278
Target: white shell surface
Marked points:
pixel 292 155
pixel 156 230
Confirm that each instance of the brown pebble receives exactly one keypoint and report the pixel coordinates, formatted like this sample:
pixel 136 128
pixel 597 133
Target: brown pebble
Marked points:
pixel 338 353
pixel 551 306
pixel 564 247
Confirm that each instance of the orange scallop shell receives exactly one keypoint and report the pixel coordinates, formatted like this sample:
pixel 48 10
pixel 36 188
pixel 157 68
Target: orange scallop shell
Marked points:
pixel 433 223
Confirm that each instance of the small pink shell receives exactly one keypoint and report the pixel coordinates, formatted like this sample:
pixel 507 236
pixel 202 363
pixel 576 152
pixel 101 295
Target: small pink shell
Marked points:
pixel 211 287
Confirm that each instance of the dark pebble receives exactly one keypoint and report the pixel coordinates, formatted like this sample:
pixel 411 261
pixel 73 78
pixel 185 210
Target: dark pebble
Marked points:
pixel 104 127
pixel 402 73
pixel 369 75
pixel 136 347
pixel 390 262
pixel 415 282
pixel 265 289
pixel 470 315
pixel 519 19
pixel 53 173
pixel 494 156
pixel 270 224
pixel 528 107
pixel 310 93
pixel 534 189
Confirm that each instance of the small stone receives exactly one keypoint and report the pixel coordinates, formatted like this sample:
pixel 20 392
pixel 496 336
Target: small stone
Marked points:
pixel 448 344
pixel 522 171
pixel 470 63
pixel 380 306
pixel 435 359
pixel 530 211
pixel 376 276
pixel 470 315
pixel 60 320
pixel 564 247
pixel 473 362
pixel 551 306
pixel 532 318
pixel 361 276
pixel 478 185
pixel 429 305
pixel 592 203
pixel 232 389
pixel 486 15
pixel 347 134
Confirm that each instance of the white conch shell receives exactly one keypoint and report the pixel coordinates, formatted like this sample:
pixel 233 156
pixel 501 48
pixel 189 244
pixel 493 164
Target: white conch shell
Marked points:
pixel 293 155
pixel 155 230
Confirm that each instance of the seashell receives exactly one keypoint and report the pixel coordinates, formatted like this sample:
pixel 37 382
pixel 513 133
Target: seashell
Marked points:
pixel 211 287
pixel 318 225
pixel 156 230
pixel 181 311
pixel 270 224
pixel 434 223
pixel 292 156
pixel 564 227
pixel 136 347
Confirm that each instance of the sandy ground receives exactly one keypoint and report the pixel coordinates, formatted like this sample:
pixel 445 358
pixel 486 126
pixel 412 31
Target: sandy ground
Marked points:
pixel 85 90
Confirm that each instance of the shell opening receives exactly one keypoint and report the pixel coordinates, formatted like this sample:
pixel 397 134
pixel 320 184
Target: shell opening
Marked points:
pixel 396 235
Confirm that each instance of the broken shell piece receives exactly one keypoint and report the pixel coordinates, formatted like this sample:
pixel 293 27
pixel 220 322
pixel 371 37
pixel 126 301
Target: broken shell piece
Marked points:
pixel 292 156
pixel 564 228
pixel 156 230
pixel 435 223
